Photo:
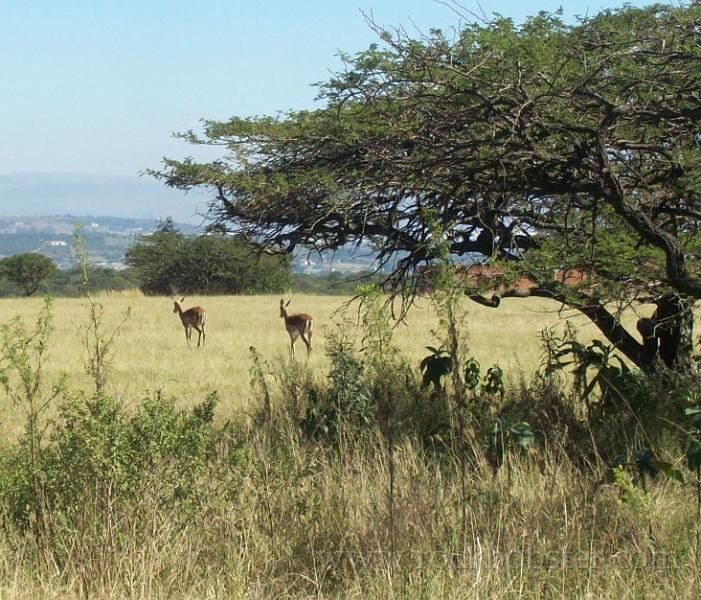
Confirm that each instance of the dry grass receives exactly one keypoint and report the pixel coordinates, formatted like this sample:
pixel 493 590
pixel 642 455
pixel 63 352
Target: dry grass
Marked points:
pixel 150 353
pixel 306 524
pixel 280 516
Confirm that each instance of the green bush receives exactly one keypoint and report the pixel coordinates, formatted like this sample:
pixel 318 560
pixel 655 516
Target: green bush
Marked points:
pixel 98 451
pixel 347 398
pixel 166 261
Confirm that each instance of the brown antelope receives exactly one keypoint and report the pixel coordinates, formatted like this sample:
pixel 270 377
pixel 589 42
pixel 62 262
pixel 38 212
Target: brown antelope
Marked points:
pixel 192 318
pixel 297 325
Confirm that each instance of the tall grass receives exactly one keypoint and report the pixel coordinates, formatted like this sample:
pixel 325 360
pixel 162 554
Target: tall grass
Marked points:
pixel 292 519
pixel 333 478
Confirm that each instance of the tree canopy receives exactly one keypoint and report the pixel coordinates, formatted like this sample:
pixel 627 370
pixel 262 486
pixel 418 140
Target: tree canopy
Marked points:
pixel 27 270
pixel 166 261
pixel 543 146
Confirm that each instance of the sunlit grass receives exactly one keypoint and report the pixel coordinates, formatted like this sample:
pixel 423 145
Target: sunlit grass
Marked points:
pixel 151 356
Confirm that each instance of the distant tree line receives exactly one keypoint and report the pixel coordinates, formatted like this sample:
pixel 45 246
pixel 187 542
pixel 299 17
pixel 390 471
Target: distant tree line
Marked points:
pixel 30 273
pixel 169 262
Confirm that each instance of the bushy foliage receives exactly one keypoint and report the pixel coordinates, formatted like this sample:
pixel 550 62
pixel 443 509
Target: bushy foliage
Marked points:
pixel 596 367
pixel 98 450
pixel 167 262
pixel 71 283
pixel 27 270
pixel 346 400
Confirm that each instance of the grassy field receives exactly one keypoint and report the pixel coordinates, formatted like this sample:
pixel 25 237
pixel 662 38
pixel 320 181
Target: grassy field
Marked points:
pixel 166 506
pixel 150 354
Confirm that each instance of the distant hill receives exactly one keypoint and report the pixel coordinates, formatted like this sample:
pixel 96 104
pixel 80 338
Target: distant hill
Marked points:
pixel 40 194
pixel 107 238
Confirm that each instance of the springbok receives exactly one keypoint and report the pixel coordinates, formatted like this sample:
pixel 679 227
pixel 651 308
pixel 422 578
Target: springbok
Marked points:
pixel 192 318
pixel 297 325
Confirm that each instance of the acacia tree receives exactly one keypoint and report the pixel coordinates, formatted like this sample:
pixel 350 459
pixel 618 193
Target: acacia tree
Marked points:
pixel 28 270
pixel 166 261
pixel 544 146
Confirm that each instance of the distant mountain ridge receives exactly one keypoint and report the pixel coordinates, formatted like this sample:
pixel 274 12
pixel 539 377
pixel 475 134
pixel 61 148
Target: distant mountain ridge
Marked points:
pixel 80 194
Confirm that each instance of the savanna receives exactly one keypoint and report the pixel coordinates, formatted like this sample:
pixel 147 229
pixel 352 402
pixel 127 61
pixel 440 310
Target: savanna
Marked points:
pixel 531 428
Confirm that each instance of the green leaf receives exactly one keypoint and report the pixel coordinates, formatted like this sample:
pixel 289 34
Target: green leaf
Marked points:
pixel 591 385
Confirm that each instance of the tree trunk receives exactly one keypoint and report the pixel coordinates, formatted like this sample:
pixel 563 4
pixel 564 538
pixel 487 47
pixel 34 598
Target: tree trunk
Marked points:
pixel 667 335
pixel 672 327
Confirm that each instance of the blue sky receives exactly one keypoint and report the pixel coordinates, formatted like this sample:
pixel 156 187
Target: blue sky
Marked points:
pixel 98 87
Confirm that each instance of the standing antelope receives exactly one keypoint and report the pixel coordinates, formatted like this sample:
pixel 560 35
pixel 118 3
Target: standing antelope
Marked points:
pixel 194 317
pixel 297 325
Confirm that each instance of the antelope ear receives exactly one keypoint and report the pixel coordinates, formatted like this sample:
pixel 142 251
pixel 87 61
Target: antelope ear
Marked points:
pixel 282 302
pixel 288 302
pixel 183 300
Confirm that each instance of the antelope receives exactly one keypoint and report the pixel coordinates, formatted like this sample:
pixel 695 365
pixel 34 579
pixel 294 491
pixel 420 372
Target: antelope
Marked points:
pixel 194 317
pixel 297 325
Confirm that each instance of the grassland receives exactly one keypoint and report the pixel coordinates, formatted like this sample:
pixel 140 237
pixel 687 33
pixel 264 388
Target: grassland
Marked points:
pixel 142 500
pixel 150 353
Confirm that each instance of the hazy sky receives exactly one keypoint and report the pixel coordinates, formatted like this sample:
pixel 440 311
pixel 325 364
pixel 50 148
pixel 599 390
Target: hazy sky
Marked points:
pixel 91 86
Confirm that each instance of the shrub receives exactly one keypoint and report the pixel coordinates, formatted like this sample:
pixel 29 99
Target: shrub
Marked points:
pixel 99 452
pixel 347 399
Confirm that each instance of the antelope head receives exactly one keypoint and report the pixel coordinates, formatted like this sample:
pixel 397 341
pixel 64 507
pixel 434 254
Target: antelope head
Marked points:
pixel 177 306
